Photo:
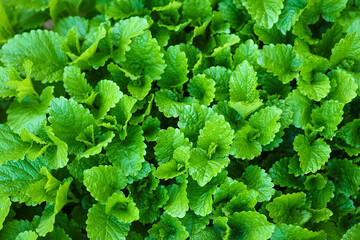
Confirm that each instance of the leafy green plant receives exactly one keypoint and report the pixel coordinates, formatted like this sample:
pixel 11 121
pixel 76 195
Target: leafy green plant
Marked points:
pixel 187 119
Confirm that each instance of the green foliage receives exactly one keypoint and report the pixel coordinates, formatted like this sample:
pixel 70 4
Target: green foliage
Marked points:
pixel 188 119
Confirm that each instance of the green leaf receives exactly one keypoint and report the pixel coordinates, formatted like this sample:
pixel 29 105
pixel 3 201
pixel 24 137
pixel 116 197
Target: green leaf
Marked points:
pixel 123 32
pixel 266 121
pixel 197 10
pixel 203 167
pixel 249 225
pixel 290 14
pixel 42 48
pixel 257 179
pixel 274 56
pixel 5 205
pixel 228 190
pixel 216 137
pixel 289 208
pixel 221 76
pixel 352 233
pixel 56 156
pixel 265 13
pixel 149 202
pixel 313 154
pixel 200 198
pixel 11 145
pixel 151 128
pixel 6 30
pixel 100 226
pixel 103 181
pixel 279 173
pixel 175 73
pixel 169 103
pixel 16 177
pixel 6 75
pixel 104 140
pixel 343 86
pixel 30 113
pixel 202 88
pixel 124 209
pixel 109 94
pixel 168 228
pixel 69 119
pixel 291 232
pixel 178 203
pixel 27 235
pixel 44 189
pixel 76 85
pixel 301 107
pixel 144 57
pixel 345 175
pixel 244 201
pixel 243 83
pixel 128 154
pixel 346 52
pixel 245 145
pixel 167 142
pixel 331 9
pixel 193 119
pixel 123 109
pixel 176 166
pixel 245 108
pixel 248 51
pixel 64 25
pixel 328 115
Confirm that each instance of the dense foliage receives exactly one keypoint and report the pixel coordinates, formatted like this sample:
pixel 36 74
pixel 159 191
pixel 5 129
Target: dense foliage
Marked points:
pixel 161 119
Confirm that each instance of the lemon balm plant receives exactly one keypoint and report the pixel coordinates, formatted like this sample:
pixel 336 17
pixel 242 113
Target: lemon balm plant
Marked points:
pixel 188 119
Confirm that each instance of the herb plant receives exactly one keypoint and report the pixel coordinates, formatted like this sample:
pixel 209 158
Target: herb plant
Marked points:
pixel 187 119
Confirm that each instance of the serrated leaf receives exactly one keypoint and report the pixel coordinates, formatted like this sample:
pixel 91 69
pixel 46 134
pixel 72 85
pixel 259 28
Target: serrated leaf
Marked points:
pixel 313 155
pixel 100 226
pixel 203 168
pixel 257 179
pixel 42 48
pixel 274 56
pixel 193 119
pixel 175 73
pixel 76 85
pixel 27 235
pixel 328 115
pixel 289 208
pixel 11 145
pixel 110 178
pixel 243 83
pixel 124 209
pixel 5 205
pixel 216 137
pixel 249 225
pixel 167 142
pixel 123 32
pixel 291 232
pixel 30 113
pixel 266 121
pixel 144 57
pixel 16 177
pixel 344 87
pixel 265 13
pixel 69 119
pixel 202 88
pixel 178 203
pixel 129 153
pixel 245 145
pixel 109 94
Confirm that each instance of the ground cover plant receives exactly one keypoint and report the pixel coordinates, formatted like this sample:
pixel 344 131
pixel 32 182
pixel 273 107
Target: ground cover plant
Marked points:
pixel 188 119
